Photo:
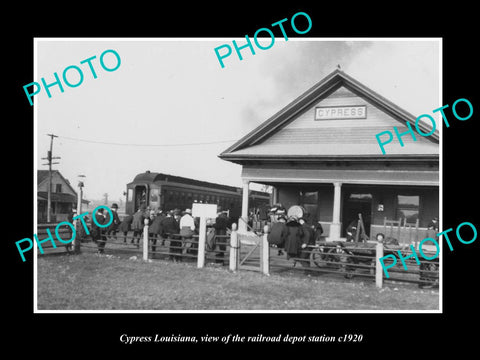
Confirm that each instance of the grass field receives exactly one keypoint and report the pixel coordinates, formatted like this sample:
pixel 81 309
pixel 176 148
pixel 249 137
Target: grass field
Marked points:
pixel 91 282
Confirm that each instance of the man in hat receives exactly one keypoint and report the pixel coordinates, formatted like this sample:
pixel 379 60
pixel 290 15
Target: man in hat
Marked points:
pixel 221 225
pixel 271 214
pixel 125 226
pixel 112 229
pixel 137 224
pixel 187 229
pixel 307 240
pixel 98 235
pixel 318 231
pixel 170 230
pixel 278 233
pixel 69 230
pixel 155 229
pixel 186 221
pixel 352 231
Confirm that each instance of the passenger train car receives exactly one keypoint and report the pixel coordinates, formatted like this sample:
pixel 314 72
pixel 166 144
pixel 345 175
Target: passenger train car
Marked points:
pixel 167 192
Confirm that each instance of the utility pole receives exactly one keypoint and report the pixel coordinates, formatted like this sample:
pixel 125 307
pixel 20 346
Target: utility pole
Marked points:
pixel 49 158
pixel 76 242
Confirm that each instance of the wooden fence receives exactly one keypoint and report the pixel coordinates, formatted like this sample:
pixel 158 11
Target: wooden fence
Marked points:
pixel 252 251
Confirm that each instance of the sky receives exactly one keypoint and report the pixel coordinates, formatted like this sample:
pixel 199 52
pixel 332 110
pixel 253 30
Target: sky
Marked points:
pixel 171 108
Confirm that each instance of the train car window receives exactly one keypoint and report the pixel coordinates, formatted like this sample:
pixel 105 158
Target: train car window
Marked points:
pixel 154 195
pixel 129 194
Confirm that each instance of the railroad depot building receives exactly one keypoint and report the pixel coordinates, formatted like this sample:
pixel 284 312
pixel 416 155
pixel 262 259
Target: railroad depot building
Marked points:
pixel 320 152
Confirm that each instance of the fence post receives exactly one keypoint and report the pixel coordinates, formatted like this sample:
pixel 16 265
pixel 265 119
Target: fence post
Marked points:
pixel 202 234
pixel 265 252
pixel 378 265
pixel 145 240
pixel 76 241
pixel 234 248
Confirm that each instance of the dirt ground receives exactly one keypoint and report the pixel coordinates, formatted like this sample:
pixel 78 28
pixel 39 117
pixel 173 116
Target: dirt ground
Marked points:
pixel 109 282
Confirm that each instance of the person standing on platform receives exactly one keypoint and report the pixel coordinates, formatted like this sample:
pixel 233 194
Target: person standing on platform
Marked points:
pixel 318 231
pixel 125 226
pixel 155 229
pixel 150 218
pixel 112 229
pixel 170 230
pixel 221 225
pixel 352 231
pixel 278 233
pixel 98 234
pixel 293 241
pixel 307 240
pixel 137 224
pixel 187 229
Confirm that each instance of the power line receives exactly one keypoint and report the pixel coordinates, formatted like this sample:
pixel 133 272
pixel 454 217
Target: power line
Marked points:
pixel 147 145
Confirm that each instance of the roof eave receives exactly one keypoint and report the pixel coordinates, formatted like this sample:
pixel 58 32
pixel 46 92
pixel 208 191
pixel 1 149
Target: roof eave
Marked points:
pixel 326 158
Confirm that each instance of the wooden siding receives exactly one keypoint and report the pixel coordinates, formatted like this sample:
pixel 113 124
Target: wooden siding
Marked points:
pixel 305 129
pixel 305 136
pixel 275 137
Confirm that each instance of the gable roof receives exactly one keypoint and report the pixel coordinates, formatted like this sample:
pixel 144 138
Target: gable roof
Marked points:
pixel 42 175
pixel 257 143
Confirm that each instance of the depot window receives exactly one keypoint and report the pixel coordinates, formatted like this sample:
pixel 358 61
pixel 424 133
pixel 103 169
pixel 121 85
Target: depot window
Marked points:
pixel 408 207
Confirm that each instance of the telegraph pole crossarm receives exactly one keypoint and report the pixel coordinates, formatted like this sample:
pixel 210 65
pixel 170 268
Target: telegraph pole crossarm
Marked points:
pixel 50 163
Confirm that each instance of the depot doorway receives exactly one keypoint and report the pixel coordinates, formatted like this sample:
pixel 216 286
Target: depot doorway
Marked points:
pixel 357 203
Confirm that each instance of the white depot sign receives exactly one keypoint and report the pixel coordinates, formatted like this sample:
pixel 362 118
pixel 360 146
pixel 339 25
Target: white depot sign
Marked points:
pixel 204 210
pixel 340 112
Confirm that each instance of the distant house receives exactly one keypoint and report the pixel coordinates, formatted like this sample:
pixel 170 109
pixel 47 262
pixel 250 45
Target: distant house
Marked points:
pixel 63 197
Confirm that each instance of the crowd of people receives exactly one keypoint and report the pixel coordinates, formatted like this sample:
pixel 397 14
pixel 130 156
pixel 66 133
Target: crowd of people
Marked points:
pixel 292 234
pixel 176 226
